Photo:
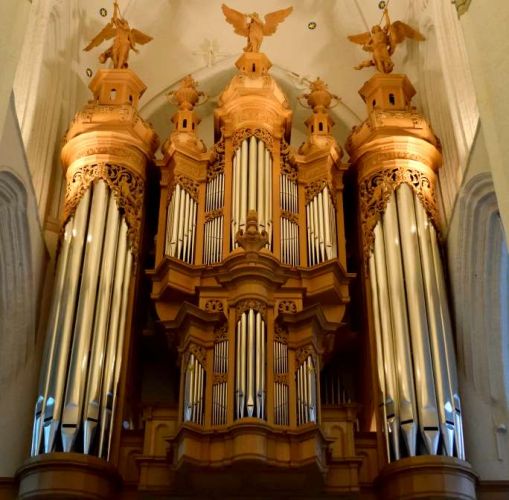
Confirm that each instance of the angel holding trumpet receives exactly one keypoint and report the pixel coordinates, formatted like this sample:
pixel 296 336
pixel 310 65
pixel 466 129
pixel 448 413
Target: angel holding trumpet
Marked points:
pixel 382 42
pixel 125 40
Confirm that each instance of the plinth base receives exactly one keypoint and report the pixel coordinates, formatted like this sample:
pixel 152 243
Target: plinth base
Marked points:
pixel 67 475
pixel 430 477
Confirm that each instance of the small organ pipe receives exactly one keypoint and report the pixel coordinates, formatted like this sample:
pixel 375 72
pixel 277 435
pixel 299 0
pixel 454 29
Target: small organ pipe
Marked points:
pixel 178 216
pixel 321 229
pixel 261 194
pixel 252 168
pixel 327 223
pixel 251 363
pixel 243 184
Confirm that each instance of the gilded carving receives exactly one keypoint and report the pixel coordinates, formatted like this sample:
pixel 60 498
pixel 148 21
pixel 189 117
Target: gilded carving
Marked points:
pixel 281 378
pixel 219 378
pixel 246 304
pixel 221 332
pixel 375 191
pixel 315 187
pixel 189 185
pixel 303 353
pixel 260 133
pixel 280 334
pixel 288 167
pixel 213 214
pixel 214 305
pixel 217 164
pixel 127 187
pixel 291 216
pixel 252 240
pixel 287 306
pixel 199 353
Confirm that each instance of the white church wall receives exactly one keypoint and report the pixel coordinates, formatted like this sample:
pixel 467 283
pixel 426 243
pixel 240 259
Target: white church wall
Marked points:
pixel 23 259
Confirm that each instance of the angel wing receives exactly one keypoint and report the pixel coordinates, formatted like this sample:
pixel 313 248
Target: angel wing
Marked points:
pixel 273 19
pixel 361 39
pixel 237 20
pixel 139 37
pixel 105 34
pixel 398 31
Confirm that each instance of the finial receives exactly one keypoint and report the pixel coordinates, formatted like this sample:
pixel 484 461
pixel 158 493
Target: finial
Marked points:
pixel 252 240
pixel 382 42
pixel 125 40
pixel 252 27
pixel 186 97
pixel 319 98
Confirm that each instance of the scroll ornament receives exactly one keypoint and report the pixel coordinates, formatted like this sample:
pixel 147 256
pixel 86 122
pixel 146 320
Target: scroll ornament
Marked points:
pixel 189 185
pixel 246 304
pixel 260 133
pixel 216 167
pixel 374 194
pixel 128 189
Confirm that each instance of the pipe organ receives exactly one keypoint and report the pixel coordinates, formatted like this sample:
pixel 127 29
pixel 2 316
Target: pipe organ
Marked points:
pixel 276 368
pixel 411 321
pixel 88 321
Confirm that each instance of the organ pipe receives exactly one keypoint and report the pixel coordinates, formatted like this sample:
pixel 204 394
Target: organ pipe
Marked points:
pixel 181 225
pixel 412 328
pixel 306 392
pixel 250 366
pixel 194 391
pixel 251 186
pixel 321 228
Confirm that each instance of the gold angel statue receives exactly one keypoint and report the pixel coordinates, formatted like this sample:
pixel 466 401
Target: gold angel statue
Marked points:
pixel 382 42
pixel 252 27
pixel 125 40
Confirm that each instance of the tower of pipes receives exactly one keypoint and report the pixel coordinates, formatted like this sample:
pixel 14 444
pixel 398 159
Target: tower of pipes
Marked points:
pixel 106 153
pixel 250 283
pixel 396 157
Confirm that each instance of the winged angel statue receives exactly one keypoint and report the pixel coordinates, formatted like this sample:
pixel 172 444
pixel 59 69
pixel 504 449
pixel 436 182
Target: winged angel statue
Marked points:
pixel 382 42
pixel 252 27
pixel 125 40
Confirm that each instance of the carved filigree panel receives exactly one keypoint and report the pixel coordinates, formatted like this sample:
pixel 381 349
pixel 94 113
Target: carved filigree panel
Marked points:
pixel 127 187
pixel 199 353
pixel 287 306
pixel 217 165
pixel 221 333
pixel 186 183
pixel 246 304
pixel 375 191
pixel 259 133
pixel 288 167
pixel 214 305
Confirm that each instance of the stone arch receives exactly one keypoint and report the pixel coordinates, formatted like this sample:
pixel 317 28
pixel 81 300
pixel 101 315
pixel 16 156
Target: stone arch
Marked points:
pixel 481 286
pixel 17 294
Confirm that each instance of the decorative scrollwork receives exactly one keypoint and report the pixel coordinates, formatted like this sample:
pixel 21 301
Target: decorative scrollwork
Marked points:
pixel 190 185
pixel 291 216
pixel 287 306
pixel 280 334
pixel 259 133
pixel 281 378
pixel 303 353
pixel 246 304
pixel 374 194
pixel 221 332
pixel 214 305
pixel 313 188
pixel 199 353
pixel 127 187
pixel 217 165
pixel 288 167
pixel 219 378
pixel 213 214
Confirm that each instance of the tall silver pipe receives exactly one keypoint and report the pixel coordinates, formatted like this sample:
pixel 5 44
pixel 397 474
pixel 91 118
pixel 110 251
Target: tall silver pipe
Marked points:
pixel 327 223
pixel 93 391
pixel 260 202
pixel 424 383
pixel 170 213
pixel 268 213
pixel 390 353
pixel 56 381
pixel 321 228
pixel 317 230
pixel 252 167
pixel 251 363
pixel 449 344
pixel 193 232
pixel 52 341
pixel 243 340
pixel 442 385
pixel 244 183
pixel 235 199
pixel 111 347
pixel 400 322
pixel 176 220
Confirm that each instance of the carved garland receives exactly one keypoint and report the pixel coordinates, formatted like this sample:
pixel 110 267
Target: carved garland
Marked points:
pixel 374 194
pixel 245 305
pixel 259 133
pixel 128 190
pixel 217 167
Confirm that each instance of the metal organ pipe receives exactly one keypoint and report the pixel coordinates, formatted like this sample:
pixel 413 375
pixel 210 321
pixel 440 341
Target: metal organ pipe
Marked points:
pixel 406 263
pixel 281 391
pixel 321 228
pixel 251 186
pixel 250 366
pixel 306 392
pixel 181 225
pixel 194 391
